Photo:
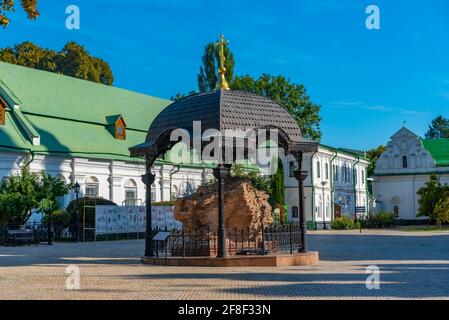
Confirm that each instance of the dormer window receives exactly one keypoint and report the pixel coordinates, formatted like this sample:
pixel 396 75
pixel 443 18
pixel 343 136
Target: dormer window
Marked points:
pixel 117 127
pixel 3 106
pixel 120 130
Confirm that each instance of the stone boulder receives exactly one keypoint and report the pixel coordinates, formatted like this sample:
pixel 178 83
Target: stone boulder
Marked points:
pixel 245 208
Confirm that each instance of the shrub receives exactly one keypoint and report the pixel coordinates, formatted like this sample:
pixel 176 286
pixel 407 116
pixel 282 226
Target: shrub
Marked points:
pixel 60 220
pixel 163 204
pixel 345 223
pixel 381 220
pixel 76 208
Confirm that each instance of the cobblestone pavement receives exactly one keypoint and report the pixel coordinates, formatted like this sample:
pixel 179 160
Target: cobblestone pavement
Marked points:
pixel 412 265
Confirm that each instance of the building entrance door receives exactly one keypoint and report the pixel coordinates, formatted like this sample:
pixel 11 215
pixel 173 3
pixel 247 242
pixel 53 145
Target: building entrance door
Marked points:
pixel 337 211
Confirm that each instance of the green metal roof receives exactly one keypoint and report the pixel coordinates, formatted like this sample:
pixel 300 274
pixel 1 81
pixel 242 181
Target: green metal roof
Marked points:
pixel 438 149
pixel 72 115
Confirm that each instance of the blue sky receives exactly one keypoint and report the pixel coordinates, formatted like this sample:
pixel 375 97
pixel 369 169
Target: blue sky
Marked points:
pixel 368 82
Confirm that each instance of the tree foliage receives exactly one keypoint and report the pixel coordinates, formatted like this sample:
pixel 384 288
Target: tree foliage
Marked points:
pixel 441 211
pixel 18 197
pixel 73 60
pixel 277 187
pixel 30 7
pixel 439 128
pixel 50 189
pixel 291 96
pixel 373 155
pixel 83 208
pixel 259 182
pixel 21 193
pixel 431 195
pixel 208 75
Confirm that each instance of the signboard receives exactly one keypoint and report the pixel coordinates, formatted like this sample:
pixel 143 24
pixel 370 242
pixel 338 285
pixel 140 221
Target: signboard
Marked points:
pixel 132 219
pixel 161 236
pixel 360 209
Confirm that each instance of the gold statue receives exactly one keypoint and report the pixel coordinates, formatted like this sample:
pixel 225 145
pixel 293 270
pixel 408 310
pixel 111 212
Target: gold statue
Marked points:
pixel 222 83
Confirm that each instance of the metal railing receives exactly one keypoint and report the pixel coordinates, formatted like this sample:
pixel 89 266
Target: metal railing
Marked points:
pixel 58 233
pixel 268 240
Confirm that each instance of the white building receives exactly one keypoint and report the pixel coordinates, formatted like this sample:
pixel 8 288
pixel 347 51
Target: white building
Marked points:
pixel 335 186
pixel 81 132
pixel 406 166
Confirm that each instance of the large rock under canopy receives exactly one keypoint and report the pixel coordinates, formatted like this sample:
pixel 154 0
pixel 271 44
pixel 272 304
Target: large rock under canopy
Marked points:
pixel 245 207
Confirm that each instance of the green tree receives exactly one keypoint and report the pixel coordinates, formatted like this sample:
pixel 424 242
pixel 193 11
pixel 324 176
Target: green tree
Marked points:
pixel 18 197
pixel 372 156
pixel 291 96
pixel 277 187
pixel 258 181
pixel 30 7
pixel 208 75
pixel 180 96
pixel 439 128
pixel 429 195
pixel 50 189
pixel 441 211
pixel 73 60
pixel 84 208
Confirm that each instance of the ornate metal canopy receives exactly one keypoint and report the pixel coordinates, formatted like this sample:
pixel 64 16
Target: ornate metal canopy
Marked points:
pixel 223 110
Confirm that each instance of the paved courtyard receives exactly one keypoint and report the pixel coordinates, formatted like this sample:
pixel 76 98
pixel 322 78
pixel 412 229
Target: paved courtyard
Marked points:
pixel 412 265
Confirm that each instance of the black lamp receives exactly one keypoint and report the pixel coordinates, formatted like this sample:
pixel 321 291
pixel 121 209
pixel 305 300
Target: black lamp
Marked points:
pixel 77 188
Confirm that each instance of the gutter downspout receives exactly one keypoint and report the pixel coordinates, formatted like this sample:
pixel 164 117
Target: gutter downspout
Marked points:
pixel 313 188
pixel 354 184
pixel 32 153
pixel 332 185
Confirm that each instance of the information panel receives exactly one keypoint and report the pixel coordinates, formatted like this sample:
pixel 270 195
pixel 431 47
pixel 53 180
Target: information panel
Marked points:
pixel 132 219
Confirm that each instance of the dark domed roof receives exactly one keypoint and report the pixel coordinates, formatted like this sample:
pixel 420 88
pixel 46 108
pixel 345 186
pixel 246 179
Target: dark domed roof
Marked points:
pixel 222 110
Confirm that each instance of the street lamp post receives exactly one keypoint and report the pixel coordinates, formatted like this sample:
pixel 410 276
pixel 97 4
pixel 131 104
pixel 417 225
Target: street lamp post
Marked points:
pixel 323 184
pixel 77 191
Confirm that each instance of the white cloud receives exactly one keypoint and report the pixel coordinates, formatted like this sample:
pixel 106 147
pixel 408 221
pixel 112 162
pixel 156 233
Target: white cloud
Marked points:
pixel 380 108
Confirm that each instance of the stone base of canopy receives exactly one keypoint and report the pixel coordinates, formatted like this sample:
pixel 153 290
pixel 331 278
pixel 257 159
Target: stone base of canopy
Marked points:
pixel 279 260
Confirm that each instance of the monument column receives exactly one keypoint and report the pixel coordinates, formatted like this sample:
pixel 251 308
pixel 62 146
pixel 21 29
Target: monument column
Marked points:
pixel 301 175
pixel 220 173
pixel 148 180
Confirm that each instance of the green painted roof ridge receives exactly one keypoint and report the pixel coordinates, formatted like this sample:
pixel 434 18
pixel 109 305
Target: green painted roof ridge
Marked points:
pixel 343 151
pixel 8 94
pixel 51 94
pixel 54 74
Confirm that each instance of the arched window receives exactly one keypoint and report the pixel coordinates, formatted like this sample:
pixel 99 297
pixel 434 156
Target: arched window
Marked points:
pixel 174 192
pixel 131 193
pixel 318 170
pixel 404 162
pixel 92 186
pixel 295 212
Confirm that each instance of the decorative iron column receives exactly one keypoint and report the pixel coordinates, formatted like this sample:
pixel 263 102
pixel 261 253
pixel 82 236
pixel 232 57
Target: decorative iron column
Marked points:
pixel 148 180
pixel 301 175
pixel 220 173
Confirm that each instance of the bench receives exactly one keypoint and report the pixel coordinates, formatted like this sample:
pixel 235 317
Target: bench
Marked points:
pixel 21 236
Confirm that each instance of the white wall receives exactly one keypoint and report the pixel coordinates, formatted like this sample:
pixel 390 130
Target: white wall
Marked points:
pixel 112 175
pixel 325 183
pixel 396 185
